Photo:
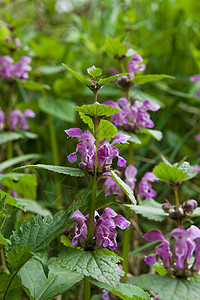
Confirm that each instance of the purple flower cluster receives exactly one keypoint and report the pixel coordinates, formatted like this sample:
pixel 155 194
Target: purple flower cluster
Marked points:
pixel 18 120
pixel 106 152
pixel 187 246
pixel 145 186
pixel 11 70
pixel 196 78
pixel 104 229
pixel 16 41
pixel 133 117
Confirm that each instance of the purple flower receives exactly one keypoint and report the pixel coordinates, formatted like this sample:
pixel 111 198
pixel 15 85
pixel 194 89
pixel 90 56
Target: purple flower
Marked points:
pixel 2 120
pixel 134 67
pixel 197 138
pixel 9 69
pixel 18 120
pixel 112 187
pixel 195 78
pixel 145 186
pixel 130 173
pixel 106 152
pixel 186 246
pixel 104 229
pixel 135 117
pixel 197 168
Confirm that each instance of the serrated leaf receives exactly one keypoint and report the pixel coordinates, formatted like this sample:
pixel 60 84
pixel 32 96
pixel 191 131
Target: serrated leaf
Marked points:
pixel 95 109
pixel 124 291
pixel 152 213
pixel 57 169
pixel 32 206
pixel 94 71
pixel 81 78
pixel 61 109
pixel 104 81
pixel 87 120
pixel 149 78
pixel 33 237
pixel 92 263
pixel 152 132
pixel 186 168
pixel 169 173
pixel 166 287
pixel 16 160
pixel 39 286
pixel 125 188
pixel 114 47
pixel 35 86
pixel 7 136
pixel 4 279
pixel 106 130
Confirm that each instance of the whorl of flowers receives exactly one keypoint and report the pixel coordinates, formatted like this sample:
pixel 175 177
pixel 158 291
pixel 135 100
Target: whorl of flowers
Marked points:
pixel 177 261
pixel 11 70
pixel 106 152
pixel 104 233
pixel 17 120
pixel 134 117
pixel 145 187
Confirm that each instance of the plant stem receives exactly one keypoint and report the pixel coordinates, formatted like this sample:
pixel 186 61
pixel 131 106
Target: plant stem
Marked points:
pixel 9 284
pixel 175 188
pixel 121 61
pixel 87 289
pixel 10 104
pixel 3 260
pixel 125 249
pixel 131 153
pixel 54 148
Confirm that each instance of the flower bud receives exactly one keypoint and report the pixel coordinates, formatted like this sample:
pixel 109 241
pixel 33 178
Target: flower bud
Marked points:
pixel 190 205
pixel 166 207
pixel 179 212
pixel 172 213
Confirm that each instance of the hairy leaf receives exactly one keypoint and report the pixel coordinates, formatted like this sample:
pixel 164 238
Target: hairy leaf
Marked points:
pixel 40 287
pixel 94 71
pixel 16 160
pixel 7 136
pixel 150 212
pixel 104 81
pixel 149 78
pixel 99 266
pixel 57 169
pixel 127 190
pixel 124 291
pixel 81 78
pixel 106 130
pixel 99 110
pixel 152 132
pixel 166 287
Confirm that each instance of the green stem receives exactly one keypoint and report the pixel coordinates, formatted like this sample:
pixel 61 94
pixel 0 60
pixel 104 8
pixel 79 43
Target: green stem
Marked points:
pixel 175 188
pixel 131 153
pixel 92 212
pixel 10 104
pixel 54 148
pixel 125 250
pixel 87 289
pixel 9 284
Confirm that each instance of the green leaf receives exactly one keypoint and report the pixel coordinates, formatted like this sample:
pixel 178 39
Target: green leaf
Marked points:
pixel 152 132
pixel 174 173
pixel 25 185
pixel 33 237
pixel 40 287
pixel 92 263
pixel 3 241
pixel 125 188
pixel 106 130
pixel 4 279
pixel 87 120
pixel 57 169
pixel 150 78
pixel 166 287
pixel 16 160
pixel 150 212
pixel 50 70
pixel 78 76
pixel 94 72
pixel 160 269
pixel 9 199
pixel 114 47
pixel 32 206
pixel 124 291
pixel 168 173
pixel 99 110
pixel 104 81
pixel 35 86
pixel 7 136
pixel 61 109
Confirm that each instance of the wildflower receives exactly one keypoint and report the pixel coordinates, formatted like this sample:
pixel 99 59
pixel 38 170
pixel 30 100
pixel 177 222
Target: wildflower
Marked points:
pixel 104 229
pixel 145 186
pixel 186 246
pixel 2 120
pixel 196 78
pixel 18 119
pixel 134 117
pixel 134 67
pixel 197 168
pixel 106 152
pixel 11 70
